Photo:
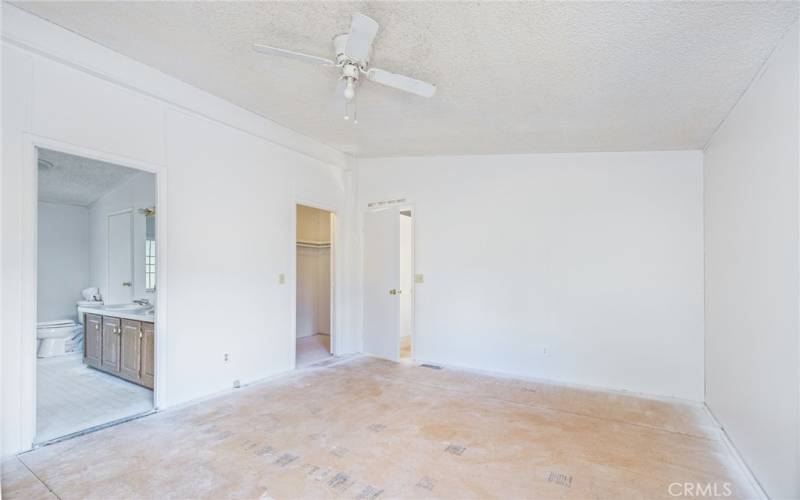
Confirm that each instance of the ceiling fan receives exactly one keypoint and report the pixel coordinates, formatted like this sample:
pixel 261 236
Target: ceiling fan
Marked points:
pixel 352 52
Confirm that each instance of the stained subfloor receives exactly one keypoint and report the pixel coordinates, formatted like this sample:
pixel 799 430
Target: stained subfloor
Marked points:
pixel 366 428
pixel 312 349
pixel 405 347
pixel 71 397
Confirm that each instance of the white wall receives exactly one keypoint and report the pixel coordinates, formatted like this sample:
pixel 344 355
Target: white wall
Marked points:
pixel 751 220
pixel 63 260
pixel 137 192
pixel 597 258
pixel 226 199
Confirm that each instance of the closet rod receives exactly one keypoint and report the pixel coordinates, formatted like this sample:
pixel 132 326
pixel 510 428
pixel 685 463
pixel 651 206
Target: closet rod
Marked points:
pixel 313 245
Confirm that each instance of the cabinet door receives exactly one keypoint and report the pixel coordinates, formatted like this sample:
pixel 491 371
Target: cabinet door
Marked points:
pixel 148 354
pixel 131 351
pixel 92 339
pixel 111 344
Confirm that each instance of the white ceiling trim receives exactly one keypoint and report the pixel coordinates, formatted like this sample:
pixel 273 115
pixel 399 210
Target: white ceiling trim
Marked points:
pixel 41 37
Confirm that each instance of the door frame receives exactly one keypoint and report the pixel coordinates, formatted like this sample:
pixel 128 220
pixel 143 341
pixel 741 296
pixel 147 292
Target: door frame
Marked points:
pixel 335 273
pixel 108 249
pixel 28 287
pixel 413 312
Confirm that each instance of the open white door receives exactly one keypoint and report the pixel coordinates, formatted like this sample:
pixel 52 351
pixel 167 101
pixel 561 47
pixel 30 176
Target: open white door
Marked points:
pixel 120 258
pixel 381 283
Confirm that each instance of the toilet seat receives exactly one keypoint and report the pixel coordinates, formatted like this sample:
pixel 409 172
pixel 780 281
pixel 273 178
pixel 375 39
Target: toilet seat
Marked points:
pixel 54 324
pixel 53 336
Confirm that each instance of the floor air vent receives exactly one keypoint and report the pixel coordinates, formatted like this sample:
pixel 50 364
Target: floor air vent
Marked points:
pixel 432 367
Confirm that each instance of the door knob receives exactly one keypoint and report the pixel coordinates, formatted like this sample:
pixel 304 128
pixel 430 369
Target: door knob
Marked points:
pixel 393 291
pixel 126 283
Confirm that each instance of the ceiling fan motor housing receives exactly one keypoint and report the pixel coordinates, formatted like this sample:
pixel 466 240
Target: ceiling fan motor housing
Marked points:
pixel 339 43
pixel 353 51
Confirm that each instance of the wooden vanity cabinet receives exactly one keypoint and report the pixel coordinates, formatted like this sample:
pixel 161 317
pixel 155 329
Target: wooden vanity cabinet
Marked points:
pixel 92 340
pixel 122 347
pixel 148 354
pixel 131 355
pixel 111 344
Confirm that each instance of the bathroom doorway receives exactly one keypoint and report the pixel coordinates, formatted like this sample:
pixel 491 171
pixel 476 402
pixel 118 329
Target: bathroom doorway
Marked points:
pixel 314 261
pixel 95 293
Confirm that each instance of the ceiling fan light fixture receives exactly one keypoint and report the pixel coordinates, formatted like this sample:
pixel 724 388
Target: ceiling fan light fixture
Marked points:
pixel 349 90
pixel 352 51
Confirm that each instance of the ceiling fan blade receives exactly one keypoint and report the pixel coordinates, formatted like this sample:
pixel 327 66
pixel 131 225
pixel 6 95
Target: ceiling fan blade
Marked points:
pixel 362 32
pixel 274 51
pixel 401 82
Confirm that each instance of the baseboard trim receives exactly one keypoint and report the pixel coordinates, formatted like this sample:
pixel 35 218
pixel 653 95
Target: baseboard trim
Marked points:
pixel 572 385
pixel 737 457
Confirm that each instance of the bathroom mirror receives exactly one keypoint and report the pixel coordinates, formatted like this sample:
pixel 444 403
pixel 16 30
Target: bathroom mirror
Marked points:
pixel 150 251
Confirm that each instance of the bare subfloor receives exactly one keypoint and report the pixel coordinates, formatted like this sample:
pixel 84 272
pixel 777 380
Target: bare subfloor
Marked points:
pixel 365 428
pixel 312 349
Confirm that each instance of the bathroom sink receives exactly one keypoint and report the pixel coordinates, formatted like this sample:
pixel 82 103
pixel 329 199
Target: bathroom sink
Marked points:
pixel 127 307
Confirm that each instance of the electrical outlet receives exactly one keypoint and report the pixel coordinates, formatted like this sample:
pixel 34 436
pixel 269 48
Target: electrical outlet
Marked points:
pixel 236 384
pixel 545 352
pixel 419 278
pixel 281 279
pixel 226 357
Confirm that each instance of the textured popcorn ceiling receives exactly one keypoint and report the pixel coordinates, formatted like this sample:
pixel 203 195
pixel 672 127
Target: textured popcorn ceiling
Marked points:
pixel 74 180
pixel 513 77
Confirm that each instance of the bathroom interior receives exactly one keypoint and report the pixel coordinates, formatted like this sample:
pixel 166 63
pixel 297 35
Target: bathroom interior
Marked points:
pixel 96 277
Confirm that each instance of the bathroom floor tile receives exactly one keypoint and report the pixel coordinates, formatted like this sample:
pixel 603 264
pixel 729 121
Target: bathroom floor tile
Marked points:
pixel 72 397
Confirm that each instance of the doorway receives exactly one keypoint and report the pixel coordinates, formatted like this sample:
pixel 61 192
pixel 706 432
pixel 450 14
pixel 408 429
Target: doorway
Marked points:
pixel 389 283
pixel 314 229
pixel 95 309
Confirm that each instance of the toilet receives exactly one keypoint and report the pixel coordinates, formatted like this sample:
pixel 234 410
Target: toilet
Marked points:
pixel 57 338
pixel 63 336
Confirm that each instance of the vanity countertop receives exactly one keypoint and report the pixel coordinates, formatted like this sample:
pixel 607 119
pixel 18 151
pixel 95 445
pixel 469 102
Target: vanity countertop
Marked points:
pixel 136 315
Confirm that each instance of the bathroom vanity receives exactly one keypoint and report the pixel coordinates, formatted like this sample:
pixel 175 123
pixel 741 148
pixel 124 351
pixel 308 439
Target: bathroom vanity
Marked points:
pixel 120 344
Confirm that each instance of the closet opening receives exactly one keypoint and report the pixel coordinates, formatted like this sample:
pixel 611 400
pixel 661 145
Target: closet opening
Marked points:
pixel 314 285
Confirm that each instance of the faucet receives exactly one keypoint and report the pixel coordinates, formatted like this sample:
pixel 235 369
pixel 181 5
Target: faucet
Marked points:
pixel 142 302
